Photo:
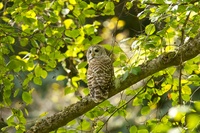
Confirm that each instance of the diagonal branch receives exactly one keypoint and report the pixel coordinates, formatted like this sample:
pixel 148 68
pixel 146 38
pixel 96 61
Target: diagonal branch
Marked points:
pixel 186 52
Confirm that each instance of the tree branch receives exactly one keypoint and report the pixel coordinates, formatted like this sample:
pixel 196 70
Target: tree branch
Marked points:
pixel 186 52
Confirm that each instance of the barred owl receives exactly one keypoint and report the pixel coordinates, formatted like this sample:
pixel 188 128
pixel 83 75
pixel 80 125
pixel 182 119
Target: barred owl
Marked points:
pixel 100 73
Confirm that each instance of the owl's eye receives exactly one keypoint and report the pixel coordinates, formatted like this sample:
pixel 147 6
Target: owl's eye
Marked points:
pixel 90 51
pixel 96 50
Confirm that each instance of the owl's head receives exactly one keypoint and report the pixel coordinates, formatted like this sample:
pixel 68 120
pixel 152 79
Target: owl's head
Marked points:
pixel 95 52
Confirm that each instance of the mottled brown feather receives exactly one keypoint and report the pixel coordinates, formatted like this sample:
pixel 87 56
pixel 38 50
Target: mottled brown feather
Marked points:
pixel 99 74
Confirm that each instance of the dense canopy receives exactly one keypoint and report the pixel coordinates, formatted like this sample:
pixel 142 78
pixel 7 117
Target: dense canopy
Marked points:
pixel 155 47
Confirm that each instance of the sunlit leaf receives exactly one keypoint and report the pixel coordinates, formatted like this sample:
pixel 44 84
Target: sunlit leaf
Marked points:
pixel 72 33
pixel 43 114
pixel 197 105
pixel 145 110
pixel 85 124
pixel 150 29
pixel 151 83
pixel 37 80
pixel 143 131
pixel 82 65
pixel 109 8
pixel 16 92
pixel 24 42
pixel 96 39
pixel 186 89
pixel 27 98
pixel 166 88
pixel 133 129
pixel 73 2
pixel 68 23
pixel 1 5
pixel 38 70
pixel 129 5
pixel 60 77
pixel 192 120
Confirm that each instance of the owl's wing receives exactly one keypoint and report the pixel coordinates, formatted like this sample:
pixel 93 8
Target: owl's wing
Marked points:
pixel 99 75
pixel 103 73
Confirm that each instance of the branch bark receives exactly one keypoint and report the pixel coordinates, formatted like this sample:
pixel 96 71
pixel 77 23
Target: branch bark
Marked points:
pixel 186 52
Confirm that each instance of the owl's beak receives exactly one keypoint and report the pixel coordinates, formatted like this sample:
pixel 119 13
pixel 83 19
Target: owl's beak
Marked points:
pixel 92 55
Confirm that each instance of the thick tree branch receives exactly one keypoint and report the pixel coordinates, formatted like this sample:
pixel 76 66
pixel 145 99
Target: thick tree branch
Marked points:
pixel 187 51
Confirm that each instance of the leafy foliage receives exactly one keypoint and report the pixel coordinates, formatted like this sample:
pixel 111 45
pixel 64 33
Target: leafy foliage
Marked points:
pixel 39 37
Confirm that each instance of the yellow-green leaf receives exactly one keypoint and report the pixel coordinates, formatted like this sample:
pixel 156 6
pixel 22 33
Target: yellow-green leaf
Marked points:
pixel 60 77
pixel 145 110
pixel 166 88
pixel 27 98
pixel 186 90
pixel 37 80
pixel 43 114
pixel 1 5
pixel 68 23
pixel 73 2
pixel 133 129
pixel 192 120
pixel 150 29
pixel 23 42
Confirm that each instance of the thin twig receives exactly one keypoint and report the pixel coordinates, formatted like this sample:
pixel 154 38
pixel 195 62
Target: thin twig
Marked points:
pixel 181 60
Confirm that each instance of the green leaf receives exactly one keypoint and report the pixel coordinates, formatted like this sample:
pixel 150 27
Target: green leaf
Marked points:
pixel 186 89
pixel 73 2
pixel 89 13
pixel 60 77
pixel 82 65
pixel 37 80
pixel 192 120
pixel 109 8
pixel 96 39
pixel 150 29
pixel 143 131
pixel 69 90
pixel 16 92
pixel 151 83
pixel 85 125
pixel 81 19
pixel 133 129
pixel 137 101
pixel 24 42
pixel 125 75
pixel 1 5
pixel 34 43
pixel 89 29
pixel 72 33
pixel 44 74
pixel 43 114
pixel 186 97
pixel 100 5
pixel 38 70
pixel 27 98
pixel 145 110
pixel 135 70
pixel 8 40
pixel 197 105
pixel 16 64
pixel 129 5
